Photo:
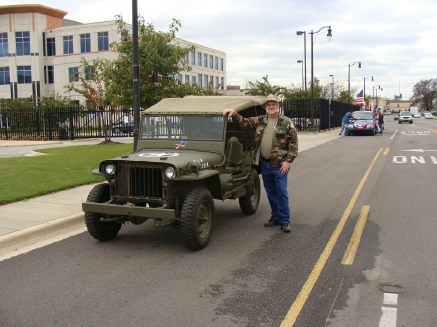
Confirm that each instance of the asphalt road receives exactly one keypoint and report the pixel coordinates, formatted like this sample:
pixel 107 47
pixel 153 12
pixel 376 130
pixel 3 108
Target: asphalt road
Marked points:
pixel 255 276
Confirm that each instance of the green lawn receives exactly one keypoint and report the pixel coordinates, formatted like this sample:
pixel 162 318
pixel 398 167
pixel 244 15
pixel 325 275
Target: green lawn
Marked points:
pixel 62 168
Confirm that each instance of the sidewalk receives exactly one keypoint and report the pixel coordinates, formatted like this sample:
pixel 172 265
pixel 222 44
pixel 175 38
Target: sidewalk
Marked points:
pixel 42 217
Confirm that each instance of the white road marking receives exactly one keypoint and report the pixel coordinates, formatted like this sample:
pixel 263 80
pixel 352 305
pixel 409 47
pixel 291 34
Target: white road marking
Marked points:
pixel 389 310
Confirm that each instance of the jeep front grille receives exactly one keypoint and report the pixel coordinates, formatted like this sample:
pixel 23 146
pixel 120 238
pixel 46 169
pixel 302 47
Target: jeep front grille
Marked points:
pixel 137 179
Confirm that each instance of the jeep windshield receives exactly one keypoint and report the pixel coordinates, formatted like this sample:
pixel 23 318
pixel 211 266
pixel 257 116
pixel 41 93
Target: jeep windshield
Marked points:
pixel 184 127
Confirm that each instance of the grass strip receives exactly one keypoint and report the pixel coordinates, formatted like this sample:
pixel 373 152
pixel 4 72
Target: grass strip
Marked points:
pixel 62 168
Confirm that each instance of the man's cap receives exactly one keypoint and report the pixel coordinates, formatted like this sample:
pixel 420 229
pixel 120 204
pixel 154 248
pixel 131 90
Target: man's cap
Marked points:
pixel 272 97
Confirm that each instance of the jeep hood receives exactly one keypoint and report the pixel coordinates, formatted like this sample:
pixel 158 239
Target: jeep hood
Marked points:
pixel 174 157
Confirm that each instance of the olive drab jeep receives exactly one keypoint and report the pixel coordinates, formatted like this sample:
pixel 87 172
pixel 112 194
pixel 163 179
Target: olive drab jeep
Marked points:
pixel 188 155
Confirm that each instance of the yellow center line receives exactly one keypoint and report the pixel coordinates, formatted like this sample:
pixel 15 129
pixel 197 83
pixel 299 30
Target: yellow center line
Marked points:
pixel 304 293
pixel 351 250
pixel 386 151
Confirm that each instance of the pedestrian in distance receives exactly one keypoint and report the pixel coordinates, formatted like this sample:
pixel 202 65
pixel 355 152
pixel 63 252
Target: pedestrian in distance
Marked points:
pixel 345 122
pixel 276 140
pixel 381 122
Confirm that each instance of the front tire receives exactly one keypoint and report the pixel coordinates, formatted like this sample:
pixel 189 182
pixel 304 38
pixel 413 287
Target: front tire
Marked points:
pixel 197 218
pixel 102 231
pixel 250 201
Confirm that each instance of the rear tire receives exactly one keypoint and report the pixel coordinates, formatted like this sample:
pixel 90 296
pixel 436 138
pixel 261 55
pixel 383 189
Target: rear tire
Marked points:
pixel 102 231
pixel 250 201
pixel 197 218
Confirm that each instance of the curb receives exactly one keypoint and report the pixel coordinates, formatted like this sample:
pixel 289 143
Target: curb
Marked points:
pixel 40 232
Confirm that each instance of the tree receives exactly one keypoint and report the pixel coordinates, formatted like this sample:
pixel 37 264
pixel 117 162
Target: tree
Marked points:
pixel 263 88
pixel 92 83
pixel 159 63
pixel 424 93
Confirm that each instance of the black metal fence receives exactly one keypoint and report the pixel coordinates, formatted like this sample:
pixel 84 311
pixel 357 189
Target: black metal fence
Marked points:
pixel 327 113
pixel 80 122
pixel 64 123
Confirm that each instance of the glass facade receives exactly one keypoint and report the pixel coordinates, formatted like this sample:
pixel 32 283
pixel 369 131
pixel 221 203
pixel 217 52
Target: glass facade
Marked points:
pixel 103 41
pixel 68 44
pixel 4 76
pixel 85 43
pixel 22 40
pixel 4 47
pixel 73 74
pixel 24 74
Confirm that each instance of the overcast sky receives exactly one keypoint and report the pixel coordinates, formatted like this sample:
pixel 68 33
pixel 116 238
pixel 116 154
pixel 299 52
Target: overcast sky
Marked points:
pixel 396 41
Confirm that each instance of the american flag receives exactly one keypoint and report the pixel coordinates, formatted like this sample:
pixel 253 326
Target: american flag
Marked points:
pixel 360 99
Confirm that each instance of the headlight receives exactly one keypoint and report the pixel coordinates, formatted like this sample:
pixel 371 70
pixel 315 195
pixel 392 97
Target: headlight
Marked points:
pixel 110 169
pixel 170 172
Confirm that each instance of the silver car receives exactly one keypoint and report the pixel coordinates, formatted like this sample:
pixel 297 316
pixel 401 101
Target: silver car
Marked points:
pixel 405 116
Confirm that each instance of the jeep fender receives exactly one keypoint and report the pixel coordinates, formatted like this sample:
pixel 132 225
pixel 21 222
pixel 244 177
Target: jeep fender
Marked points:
pixel 206 178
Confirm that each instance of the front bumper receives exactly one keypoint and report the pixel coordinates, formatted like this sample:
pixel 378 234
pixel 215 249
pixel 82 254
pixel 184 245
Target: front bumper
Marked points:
pixel 124 210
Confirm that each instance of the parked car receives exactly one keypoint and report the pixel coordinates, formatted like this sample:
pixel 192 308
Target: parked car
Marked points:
pixel 427 115
pixel 123 128
pixel 405 116
pixel 362 122
pixel 387 112
pixel 178 170
pixel 416 115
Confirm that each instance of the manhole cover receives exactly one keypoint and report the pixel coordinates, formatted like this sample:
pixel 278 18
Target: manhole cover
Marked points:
pixel 388 288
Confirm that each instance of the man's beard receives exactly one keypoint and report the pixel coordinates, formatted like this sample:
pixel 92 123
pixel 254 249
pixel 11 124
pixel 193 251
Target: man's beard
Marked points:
pixel 272 111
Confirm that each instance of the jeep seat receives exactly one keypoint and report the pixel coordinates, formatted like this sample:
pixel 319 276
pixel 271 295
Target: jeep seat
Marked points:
pixel 234 151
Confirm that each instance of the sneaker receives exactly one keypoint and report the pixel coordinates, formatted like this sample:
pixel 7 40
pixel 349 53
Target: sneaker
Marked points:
pixel 285 228
pixel 271 223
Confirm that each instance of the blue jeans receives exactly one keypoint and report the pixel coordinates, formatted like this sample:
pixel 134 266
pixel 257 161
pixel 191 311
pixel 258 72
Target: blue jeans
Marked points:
pixel 275 185
pixel 343 128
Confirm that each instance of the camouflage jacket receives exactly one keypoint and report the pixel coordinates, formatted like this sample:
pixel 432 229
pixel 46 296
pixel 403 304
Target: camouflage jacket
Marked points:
pixel 285 144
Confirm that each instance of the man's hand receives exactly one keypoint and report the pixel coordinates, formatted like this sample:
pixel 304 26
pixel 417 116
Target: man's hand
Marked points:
pixel 229 112
pixel 285 167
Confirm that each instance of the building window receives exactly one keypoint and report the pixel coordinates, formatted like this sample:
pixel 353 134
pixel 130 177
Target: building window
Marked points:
pixel 4 76
pixel 85 43
pixel 103 41
pixel 199 58
pixel 23 43
pixel 222 64
pixel 222 83
pixel 73 74
pixel 216 63
pixel 205 80
pixel 193 58
pixel 4 48
pixel 68 44
pixel 180 78
pixel 24 75
pixel 211 61
pixel 89 73
pixel 211 81
pixel 193 80
pixel 51 47
pixel 49 75
pixel 216 81
pixel 199 78
pixel 205 60
pixel 187 79
pixel 186 58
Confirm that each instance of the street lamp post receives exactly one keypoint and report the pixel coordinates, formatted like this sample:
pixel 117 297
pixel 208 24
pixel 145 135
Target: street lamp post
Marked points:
pixel 349 80
pixel 330 101
pixel 301 62
pixel 304 53
pixel 378 88
pixel 329 36
pixel 332 86
pixel 364 92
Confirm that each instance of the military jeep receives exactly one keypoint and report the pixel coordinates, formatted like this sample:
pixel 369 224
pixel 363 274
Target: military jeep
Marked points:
pixel 188 155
